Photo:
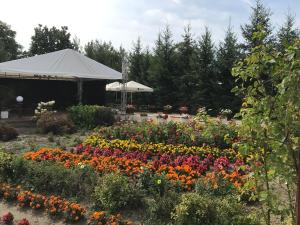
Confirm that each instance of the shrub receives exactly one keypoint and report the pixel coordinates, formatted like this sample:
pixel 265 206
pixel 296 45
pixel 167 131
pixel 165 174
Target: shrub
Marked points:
pixel 203 209
pixel 194 209
pixel 49 122
pixel 91 116
pixel 23 221
pixel 7 218
pixel 5 165
pixel 47 176
pixel 230 212
pixel 101 217
pixel 115 192
pixel 7 132
pixel 159 209
pixel 168 133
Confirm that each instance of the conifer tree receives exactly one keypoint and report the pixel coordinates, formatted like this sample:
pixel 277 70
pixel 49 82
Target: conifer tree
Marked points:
pixel 260 22
pixel 187 62
pixel 228 53
pixel 163 69
pixel 206 83
pixel 287 34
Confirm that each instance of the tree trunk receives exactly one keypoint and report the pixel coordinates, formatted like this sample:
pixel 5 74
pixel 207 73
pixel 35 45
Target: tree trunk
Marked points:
pixel 298 190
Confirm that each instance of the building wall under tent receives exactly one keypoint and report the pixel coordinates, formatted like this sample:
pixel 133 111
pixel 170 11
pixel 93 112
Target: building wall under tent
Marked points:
pixel 63 92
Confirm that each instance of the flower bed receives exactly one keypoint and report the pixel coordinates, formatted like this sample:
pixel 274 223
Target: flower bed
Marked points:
pixel 130 145
pixel 190 134
pixel 183 169
pixel 55 206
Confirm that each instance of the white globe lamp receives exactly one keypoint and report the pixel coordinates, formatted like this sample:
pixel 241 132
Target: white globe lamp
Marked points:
pixel 19 99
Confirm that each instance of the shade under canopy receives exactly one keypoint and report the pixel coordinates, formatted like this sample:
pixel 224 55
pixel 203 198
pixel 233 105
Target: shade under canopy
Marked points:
pixel 130 86
pixel 65 64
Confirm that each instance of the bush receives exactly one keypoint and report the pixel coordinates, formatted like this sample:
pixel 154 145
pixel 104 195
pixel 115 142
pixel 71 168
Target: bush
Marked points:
pixel 91 116
pixel 194 209
pixel 203 209
pixel 50 122
pixel 5 165
pixel 230 212
pixel 168 133
pixel 115 192
pixel 47 176
pixel 7 132
pixel 159 209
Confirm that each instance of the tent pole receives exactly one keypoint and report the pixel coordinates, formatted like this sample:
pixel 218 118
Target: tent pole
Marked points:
pixel 79 91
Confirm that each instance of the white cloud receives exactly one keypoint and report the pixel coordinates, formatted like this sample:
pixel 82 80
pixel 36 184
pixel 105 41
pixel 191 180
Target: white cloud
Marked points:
pixel 123 21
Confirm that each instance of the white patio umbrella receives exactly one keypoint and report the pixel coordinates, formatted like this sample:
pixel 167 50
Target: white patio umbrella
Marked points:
pixel 130 86
pixel 133 86
pixel 114 86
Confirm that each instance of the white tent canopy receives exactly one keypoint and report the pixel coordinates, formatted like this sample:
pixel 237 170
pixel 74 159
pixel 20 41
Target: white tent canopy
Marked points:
pixel 130 86
pixel 65 64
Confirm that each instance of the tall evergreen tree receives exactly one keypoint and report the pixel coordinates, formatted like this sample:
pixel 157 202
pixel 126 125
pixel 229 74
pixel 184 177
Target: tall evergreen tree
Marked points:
pixel 163 69
pixel 9 48
pixel 228 53
pixel 204 95
pixel 259 21
pixel 187 61
pixel 136 62
pixel 47 40
pixel 287 33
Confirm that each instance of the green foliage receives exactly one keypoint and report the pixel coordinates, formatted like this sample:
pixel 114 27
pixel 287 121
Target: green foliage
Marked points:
pixel 228 53
pixel 270 122
pixel 194 209
pixel 105 53
pixel 230 212
pixel 91 116
pixel 47 40
pixel 163 69
pixel 154 184
pixel 158 209
pixel 205 93
pixel 115 192
pixel 51 177
pixel 187 57
pixel 202 209
pixel 7 132
pixel 260 20
pixel 169 133
pixel 213 132
pixel 9 48
pixel 5 165
pixel 50 122
pixel 287 34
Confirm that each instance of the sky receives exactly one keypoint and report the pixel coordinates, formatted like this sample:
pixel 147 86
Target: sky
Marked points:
pixel 123 21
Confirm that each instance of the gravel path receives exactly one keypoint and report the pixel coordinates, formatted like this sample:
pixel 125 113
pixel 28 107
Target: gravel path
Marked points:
pixel 35 218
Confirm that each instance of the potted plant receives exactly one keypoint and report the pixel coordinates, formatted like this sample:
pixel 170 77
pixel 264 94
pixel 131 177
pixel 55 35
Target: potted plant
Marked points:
pixel 167 109
pixel 143 116
pixel 225 113
pixel 183 110
pixel 130 109
pixel 162 117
